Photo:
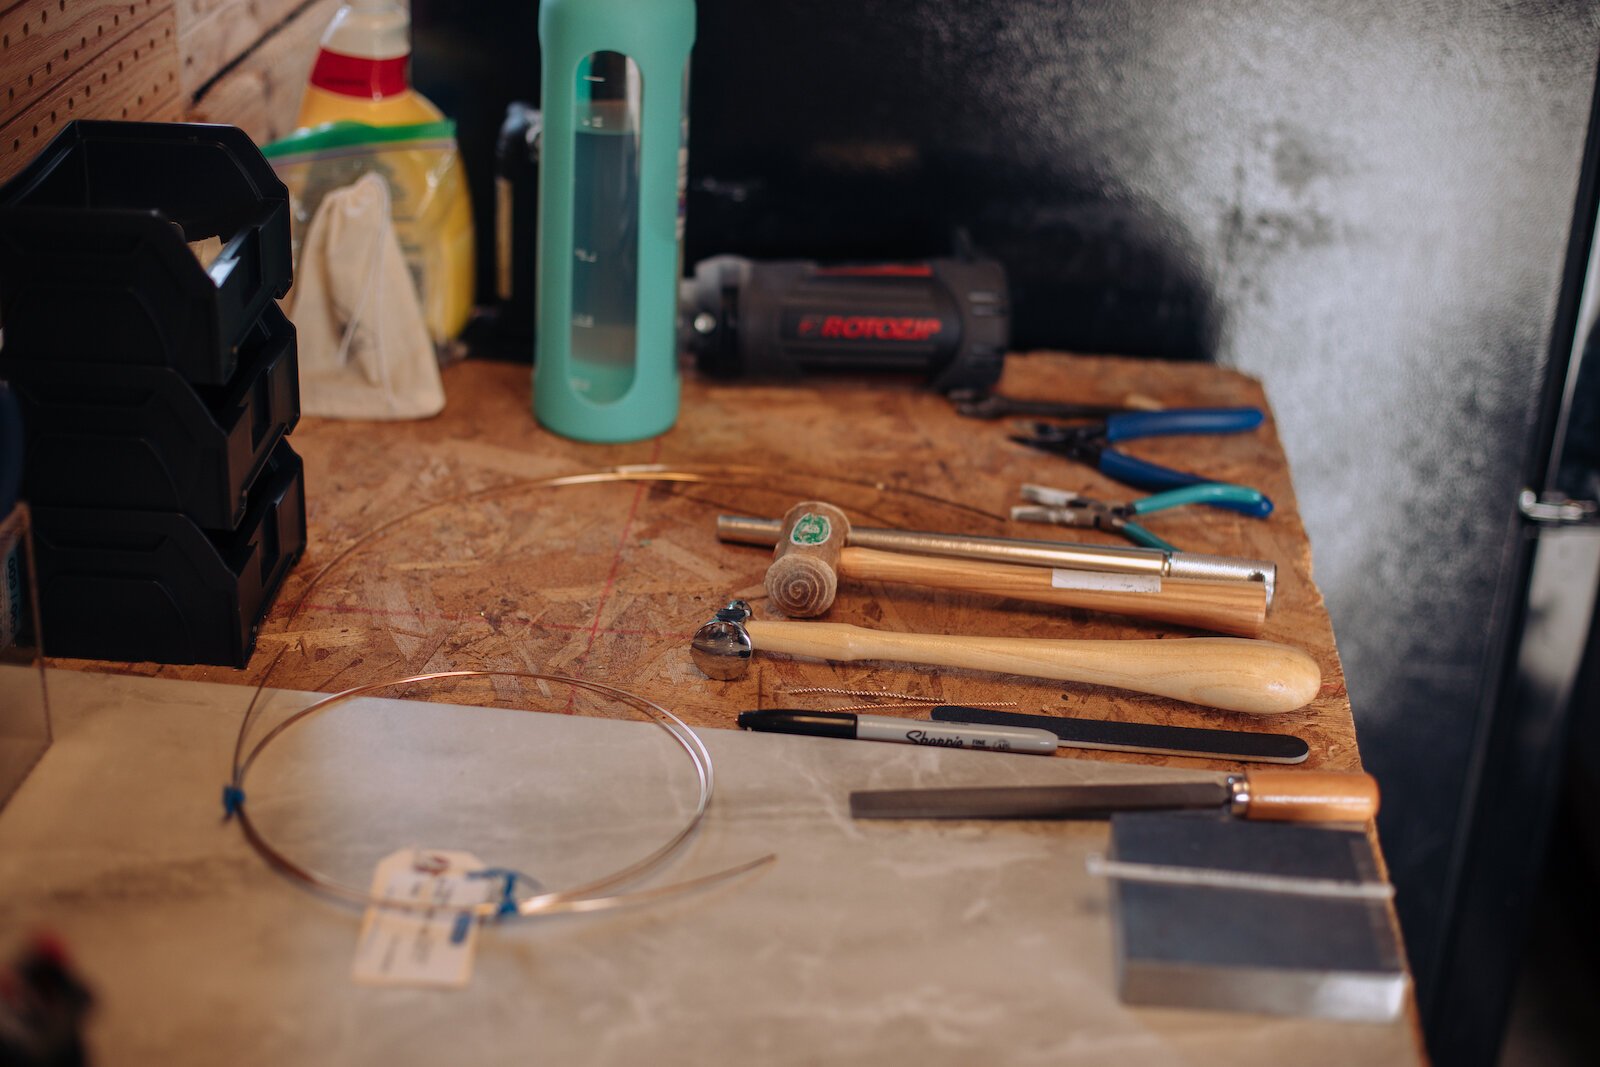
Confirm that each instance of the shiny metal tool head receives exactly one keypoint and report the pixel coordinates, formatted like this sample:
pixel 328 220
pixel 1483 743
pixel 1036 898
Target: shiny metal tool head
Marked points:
pixel 721 648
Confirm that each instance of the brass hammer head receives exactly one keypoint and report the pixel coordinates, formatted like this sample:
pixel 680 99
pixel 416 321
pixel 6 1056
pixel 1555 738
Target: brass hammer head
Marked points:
pixel 721 648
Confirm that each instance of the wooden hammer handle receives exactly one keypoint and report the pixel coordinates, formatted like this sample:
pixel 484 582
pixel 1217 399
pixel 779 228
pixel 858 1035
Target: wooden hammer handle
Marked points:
pixel 1219 672
pixel 1226 607
pixel 1311 796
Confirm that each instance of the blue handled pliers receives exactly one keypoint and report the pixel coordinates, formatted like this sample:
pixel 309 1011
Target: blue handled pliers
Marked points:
pixel 1092 443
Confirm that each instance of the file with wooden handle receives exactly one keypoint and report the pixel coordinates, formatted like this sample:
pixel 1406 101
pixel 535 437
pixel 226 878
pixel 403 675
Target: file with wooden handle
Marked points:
pixel 1276 796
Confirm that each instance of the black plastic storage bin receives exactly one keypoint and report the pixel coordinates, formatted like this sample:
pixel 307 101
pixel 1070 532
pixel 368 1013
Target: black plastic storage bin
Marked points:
pixel 94 261
pixel 153 586
pixel 121 436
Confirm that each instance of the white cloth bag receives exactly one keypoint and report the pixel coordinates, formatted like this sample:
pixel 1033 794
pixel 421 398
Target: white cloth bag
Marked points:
pixel 363 343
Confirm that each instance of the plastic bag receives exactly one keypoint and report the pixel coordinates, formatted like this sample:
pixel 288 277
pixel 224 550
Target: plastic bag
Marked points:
pixel 428 199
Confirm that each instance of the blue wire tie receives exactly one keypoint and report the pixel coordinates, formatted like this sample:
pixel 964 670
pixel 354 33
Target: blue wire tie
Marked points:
pixel 508 890
pixel 458 933
pixel 232 801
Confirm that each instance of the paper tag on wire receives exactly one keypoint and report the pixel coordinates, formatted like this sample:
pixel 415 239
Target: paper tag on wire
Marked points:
pixel 422 947
pixel 1104 581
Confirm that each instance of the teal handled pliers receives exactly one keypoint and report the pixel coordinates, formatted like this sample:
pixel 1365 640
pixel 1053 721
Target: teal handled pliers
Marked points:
pixel 1065 508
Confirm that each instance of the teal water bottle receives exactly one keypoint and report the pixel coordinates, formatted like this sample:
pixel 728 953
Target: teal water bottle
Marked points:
pixel 612 168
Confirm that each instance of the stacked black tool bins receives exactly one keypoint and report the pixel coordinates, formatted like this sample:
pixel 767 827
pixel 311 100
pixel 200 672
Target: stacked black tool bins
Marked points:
pixel 139 266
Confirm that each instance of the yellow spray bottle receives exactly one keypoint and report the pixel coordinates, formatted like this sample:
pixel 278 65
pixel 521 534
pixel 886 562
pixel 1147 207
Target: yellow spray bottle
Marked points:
pixel 362 75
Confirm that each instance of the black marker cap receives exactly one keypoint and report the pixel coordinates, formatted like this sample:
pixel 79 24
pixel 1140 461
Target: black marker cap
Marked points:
pixel 809 723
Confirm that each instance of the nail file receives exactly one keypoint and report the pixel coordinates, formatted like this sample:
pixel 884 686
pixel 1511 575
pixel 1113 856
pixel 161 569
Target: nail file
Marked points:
pixel 1240 745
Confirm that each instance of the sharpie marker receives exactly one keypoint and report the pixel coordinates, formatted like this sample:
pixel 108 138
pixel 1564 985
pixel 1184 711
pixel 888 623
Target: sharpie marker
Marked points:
pixel 904 731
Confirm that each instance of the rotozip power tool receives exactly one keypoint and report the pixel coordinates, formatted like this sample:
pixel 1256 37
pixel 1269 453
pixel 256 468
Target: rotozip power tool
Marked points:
pixel 946 321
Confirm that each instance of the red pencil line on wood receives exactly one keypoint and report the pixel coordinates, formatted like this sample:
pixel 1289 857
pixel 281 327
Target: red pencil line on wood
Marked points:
pixel 616 566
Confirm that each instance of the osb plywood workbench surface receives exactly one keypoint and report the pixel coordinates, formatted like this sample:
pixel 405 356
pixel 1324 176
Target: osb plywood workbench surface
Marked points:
pixel 433 546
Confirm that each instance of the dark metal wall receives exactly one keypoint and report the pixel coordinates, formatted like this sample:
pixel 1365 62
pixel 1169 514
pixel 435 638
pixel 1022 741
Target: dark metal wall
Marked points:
pixel 1365 203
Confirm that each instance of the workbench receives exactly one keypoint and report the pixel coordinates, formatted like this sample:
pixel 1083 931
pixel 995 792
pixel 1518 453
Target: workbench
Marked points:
pixel 435 545
pixel 440 545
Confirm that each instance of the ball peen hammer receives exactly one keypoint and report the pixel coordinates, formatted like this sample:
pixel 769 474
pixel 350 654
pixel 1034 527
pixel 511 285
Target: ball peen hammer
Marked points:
pixel 1234 674
pixel 812 554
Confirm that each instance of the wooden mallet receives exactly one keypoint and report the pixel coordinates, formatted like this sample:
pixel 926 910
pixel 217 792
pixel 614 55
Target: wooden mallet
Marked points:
pixel 813 554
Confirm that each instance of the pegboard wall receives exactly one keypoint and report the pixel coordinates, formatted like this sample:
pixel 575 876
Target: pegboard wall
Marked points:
pixel 242 62
pixel 67 59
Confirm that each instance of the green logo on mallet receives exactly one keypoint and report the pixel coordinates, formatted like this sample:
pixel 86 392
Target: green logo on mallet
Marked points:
pixel 811 529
